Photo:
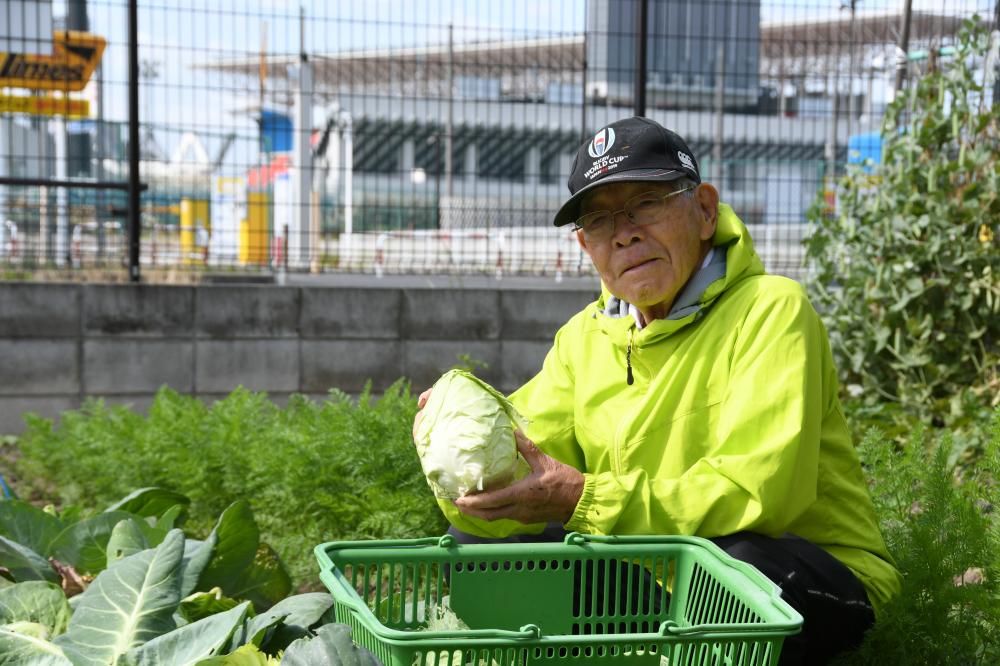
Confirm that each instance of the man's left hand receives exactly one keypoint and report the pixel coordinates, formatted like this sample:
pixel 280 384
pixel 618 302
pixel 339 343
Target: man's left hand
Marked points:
pixel 550 493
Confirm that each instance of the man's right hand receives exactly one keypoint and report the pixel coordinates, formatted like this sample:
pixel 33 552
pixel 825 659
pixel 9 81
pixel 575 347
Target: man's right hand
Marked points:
pixel 421 401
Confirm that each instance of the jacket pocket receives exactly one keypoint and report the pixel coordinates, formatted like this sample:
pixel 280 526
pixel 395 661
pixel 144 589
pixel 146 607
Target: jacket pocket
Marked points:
pixel 668 448
pixel 695 408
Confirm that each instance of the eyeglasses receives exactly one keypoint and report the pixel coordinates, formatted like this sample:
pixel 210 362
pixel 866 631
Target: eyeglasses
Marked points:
pixel 640 210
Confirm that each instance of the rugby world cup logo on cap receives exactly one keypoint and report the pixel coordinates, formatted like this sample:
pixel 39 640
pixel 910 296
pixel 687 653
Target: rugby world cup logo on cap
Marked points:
pixel 602 142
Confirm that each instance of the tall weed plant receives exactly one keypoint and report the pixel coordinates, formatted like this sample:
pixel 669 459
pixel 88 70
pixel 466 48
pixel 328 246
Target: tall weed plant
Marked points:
pixel 941 525
pixel 908 265
pixel 313 472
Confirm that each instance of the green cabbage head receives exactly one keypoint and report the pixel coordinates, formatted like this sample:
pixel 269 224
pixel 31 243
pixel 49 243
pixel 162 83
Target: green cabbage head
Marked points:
pixel 465 438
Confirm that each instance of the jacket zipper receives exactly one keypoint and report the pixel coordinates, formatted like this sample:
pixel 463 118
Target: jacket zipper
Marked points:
pixel 629 379
pixel 618 442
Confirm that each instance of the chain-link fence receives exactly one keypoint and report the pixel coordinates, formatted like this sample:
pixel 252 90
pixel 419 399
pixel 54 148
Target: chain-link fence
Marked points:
pixel 420 136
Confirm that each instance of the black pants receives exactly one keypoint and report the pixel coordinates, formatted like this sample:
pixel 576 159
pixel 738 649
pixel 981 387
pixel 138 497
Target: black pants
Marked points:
pixel 829 597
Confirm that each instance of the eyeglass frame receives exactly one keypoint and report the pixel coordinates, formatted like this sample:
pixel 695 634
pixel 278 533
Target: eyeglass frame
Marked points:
pixel 614 213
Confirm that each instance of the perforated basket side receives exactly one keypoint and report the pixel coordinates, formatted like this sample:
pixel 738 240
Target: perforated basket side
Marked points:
pixel 594 601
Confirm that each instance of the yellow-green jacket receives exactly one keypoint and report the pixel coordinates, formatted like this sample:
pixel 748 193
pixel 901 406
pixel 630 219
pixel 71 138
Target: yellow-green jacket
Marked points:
pixel 733 421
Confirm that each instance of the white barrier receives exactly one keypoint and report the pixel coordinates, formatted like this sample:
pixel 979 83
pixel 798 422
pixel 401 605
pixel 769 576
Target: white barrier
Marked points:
pixel 510 251
pixel 524 251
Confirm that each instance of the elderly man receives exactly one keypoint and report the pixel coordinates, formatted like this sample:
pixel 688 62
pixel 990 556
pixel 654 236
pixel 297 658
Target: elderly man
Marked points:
pixel 696 396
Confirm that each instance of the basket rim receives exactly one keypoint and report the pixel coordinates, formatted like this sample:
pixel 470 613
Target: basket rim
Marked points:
pixel 529 634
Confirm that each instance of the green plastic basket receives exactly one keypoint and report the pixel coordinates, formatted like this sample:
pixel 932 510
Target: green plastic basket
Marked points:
pixel 587 600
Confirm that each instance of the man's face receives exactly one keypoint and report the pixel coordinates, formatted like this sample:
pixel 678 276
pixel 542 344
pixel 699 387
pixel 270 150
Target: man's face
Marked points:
pixel 648 265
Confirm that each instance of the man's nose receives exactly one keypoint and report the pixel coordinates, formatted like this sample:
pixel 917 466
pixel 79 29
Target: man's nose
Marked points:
pixel 625 231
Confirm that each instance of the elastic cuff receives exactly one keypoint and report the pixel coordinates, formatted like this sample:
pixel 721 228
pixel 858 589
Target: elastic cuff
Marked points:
pixel 578 521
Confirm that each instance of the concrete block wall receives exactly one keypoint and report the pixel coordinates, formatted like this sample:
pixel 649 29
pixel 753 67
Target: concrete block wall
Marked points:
pixel 62 343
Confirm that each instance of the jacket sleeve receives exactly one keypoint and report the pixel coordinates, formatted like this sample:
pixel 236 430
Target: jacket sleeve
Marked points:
pixel 546 402
pixel 759 469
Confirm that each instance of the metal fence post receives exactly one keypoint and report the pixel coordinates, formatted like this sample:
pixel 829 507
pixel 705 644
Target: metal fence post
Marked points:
pixel 904 45
pixel 996 65
pixel 641 33
pixel 134 227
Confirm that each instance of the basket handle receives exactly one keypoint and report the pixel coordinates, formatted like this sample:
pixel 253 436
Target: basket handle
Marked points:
pixel 671 628
pixel 578 539
pixel 526 632
pixel 530 631
pixel 446 540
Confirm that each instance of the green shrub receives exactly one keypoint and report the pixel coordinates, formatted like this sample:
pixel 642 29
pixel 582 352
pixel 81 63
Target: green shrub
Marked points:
pixel 313 472
pixel 906 268
pixel 967 430
pixel 941 526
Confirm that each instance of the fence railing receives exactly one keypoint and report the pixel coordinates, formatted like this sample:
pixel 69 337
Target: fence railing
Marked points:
pixel 499 252
pixel 401 137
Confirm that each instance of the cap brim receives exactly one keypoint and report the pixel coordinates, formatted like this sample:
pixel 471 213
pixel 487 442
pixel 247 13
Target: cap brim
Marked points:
pixel 569 212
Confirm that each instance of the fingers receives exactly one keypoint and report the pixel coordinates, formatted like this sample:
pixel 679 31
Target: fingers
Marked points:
pixel 527 448
pixel 513 494
pixel 422 400
pixel 497 513
pixel 493 499
pixel 416 423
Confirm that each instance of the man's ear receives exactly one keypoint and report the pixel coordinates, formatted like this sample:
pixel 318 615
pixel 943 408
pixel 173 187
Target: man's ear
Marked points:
pixel 707 198
pixel 582 241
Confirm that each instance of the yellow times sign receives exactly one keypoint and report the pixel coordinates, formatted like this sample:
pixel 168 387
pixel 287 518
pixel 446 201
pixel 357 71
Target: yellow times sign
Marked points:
pixel 74 58
pixel 45 106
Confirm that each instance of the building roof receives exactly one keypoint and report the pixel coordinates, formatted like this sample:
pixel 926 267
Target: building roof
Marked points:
pixel 832 35
pixel 796 48
pixel 820 36
pixel 429 62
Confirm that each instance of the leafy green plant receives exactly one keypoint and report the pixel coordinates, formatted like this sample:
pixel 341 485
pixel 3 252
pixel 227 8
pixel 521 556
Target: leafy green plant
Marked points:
pixel 311 471
pixel 331 645
pixel 941 527
pixel 906 267
pixel 70 549
pixel 143 602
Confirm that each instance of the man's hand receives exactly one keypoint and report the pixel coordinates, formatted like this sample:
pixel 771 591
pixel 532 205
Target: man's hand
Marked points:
pixel 550 493
pixel 421 401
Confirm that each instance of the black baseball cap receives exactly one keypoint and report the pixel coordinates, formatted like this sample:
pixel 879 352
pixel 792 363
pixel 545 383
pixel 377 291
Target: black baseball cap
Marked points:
pixel 627 150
